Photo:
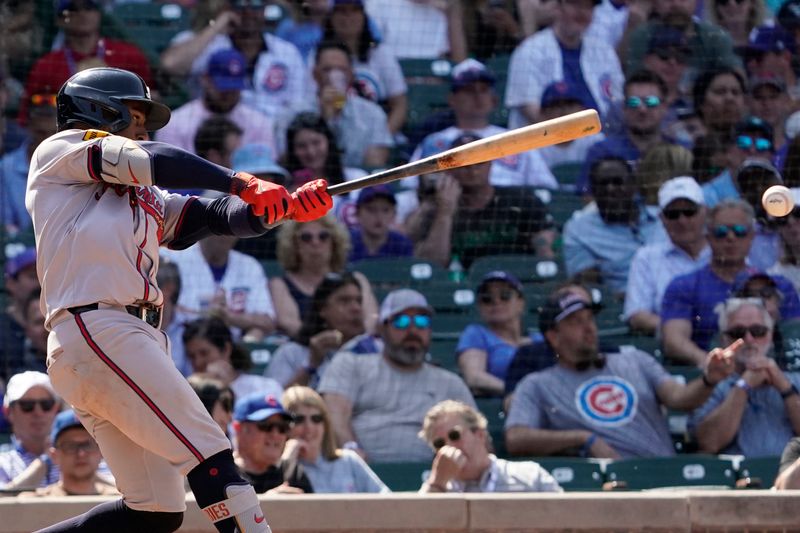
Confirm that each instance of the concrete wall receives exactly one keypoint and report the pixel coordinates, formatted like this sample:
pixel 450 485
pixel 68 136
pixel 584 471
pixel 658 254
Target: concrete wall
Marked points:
pixel 662 511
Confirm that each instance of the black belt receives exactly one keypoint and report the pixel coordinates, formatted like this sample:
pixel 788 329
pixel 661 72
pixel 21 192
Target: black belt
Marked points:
pixel 148 313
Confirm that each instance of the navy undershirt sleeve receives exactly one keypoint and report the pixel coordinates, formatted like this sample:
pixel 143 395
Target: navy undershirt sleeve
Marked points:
pixel 174 168
pixel 223 216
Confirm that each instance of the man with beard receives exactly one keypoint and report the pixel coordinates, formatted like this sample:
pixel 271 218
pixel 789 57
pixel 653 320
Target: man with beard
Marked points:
pixel 756 410
pixel 595 404
pixel 601 239
pixel 223 83
pixel 378 403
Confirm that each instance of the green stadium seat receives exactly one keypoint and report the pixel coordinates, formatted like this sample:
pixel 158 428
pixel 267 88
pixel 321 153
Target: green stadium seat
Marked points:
pixel 402 477
pixel 395 272
pixel 679 471
pixel 567 174
pixel 573 473
pixel 272 268
pixel 528 268
pixel 761 471
pixel 152 25
pixel 492 409
pixel 443 353
pixel 261 354
pixel 428 82
pixel 451 325
pixel 563 204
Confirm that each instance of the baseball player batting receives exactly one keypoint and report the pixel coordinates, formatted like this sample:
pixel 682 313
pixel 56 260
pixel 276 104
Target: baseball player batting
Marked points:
pixel 99 217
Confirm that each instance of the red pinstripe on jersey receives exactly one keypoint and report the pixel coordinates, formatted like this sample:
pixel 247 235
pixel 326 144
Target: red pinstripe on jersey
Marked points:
pixel 136 389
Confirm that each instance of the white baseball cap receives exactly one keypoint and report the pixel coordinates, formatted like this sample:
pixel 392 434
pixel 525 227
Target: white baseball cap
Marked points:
pixel 400 300
pixel 685 187
pixel 21 383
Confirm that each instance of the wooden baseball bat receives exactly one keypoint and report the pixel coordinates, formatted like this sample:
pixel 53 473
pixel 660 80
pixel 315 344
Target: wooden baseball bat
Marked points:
pixel 547 133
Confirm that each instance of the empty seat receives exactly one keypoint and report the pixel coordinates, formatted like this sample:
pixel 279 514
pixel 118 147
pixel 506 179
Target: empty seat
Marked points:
pixel 573 473
pixel 759 472
pixel 679 471
pixel 528 268
pixel 395 272
pixel 402 477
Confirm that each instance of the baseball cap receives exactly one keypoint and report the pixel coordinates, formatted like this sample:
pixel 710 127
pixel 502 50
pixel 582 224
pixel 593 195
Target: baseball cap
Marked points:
pixel 743 278
pixel 685 187
pixel 664 36
pixel 21 261
pixel 559 306
pixel 789 15
pixel 227 69
pixel 753 124
pixel 64 420
pixel 501 275
pixel 66 5
pixel 469 71
pixel 377 191
pixel 400 300
pixel 256 159
pixel 21 383
pixel 561 92
pixel 770 39
pixel 759 80
pixel 257 408
pixel 757 163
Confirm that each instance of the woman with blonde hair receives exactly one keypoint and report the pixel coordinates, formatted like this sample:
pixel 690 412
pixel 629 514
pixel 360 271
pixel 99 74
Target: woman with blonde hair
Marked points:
pixel 737 17
pixel 307 252
pixel 659 164
pixel 313 443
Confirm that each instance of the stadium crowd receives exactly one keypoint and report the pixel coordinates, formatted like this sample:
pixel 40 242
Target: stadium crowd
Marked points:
pixel 595 289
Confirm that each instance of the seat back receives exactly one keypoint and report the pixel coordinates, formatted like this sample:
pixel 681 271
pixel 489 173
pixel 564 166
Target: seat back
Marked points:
pixel 402 477
pixel 678 471
pixel 573 473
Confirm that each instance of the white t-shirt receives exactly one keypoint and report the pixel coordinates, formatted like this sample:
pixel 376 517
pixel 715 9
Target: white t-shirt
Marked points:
pixel 410 29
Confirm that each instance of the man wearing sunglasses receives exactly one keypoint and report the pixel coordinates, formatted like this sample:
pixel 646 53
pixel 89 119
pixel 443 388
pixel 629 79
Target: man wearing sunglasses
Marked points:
pixel 683 214
pixel 688 319
pixel 30 405
pixel 597 404
pixel 377 402
pixel 756 410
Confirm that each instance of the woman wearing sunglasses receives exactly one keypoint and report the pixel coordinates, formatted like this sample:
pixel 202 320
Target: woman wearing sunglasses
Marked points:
pixel 313 442
pixel 307 253
pixel 485 350
pixel 756 410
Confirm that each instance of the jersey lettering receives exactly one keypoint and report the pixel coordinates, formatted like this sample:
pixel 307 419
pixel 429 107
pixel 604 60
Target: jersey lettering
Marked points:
pixel 217 511
pixel 94 134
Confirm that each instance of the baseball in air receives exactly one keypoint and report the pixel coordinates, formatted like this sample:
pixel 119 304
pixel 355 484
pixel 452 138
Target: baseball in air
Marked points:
pixel 778 201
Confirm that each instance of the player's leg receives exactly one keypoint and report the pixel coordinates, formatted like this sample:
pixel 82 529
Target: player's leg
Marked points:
pixel 116 516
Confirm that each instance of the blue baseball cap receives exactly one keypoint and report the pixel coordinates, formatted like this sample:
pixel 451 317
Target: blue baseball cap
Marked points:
pixel 227 70
pixel 256 159
pixel 21 261
pixel 501 275
pixel 771 39
pixel 469 71
pixel 560 92
pixel 377 191
pixel 257 408
pixel 64 420
pixel 66 5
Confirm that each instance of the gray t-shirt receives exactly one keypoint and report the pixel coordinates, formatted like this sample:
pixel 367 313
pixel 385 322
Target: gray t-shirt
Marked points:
pixel 617 402
pixel 348 473
pixel 389 405
pixel 765 427
pixel 509 476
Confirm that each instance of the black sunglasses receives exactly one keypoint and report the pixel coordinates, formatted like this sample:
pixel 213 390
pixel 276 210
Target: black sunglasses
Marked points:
pixel 282 427
pixel 756 330
pixel 322 236
pixel 27 406
pixel 454 435
pixel 675 214
pixel 504 295
pixel 317 419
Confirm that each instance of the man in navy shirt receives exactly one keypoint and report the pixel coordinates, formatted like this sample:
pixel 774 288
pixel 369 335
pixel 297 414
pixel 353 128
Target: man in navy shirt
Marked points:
pixel 376 209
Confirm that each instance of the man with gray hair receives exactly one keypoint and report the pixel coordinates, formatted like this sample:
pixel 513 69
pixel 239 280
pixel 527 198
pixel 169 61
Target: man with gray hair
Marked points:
pixel 755 410
pixel 688 321
pixel 377 404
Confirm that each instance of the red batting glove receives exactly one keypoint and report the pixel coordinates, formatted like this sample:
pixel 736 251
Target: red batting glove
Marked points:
pixel 269 200
pixel 311 201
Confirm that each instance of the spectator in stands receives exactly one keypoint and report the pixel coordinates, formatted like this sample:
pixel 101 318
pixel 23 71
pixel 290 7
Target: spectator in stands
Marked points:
pixel 738 19
pixel 559 99
pixel 359 125
pixel 756 410
pixel 12 135
pixel 788 228
pixel 220 281
pixel 216 397
pixel 312 442
pixel 83 48
pixel 596 404
pixel 262 428
pixel 710 153
pixel 659 164
pixel 563 52
pixel 304 27
pixel 711 47
pixel 223 83
pixel 21 281
pixel 35 356
pixel 754 177
pixel 377 73
pixel 643 111
pixel 770 102
pixel 466 216
pixel 688 322
pixel 77 457
pixel 472 99
pixel 210 348
pixel 457 434
pixel 492 28
pixel 30 405
pixel 420 28
pixel 789 471
pixel 376 211
pixel 307 253
pixel 770 53
pixel 275 72
pixel 683 214
pixel 484 351
pixel 718 98
pixel 40 124
pixel 377 404
pixel 601 238
pixel 334 321
pixel 217 138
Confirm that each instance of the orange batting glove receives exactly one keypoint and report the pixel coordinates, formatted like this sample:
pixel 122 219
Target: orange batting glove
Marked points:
pixel 311 201
pixel 270 200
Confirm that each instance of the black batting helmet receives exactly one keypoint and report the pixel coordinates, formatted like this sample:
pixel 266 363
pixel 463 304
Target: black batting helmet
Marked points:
pixel 97 97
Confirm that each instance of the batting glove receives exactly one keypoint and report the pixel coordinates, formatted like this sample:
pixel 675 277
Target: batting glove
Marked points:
pixel 311 201
pixel 270 200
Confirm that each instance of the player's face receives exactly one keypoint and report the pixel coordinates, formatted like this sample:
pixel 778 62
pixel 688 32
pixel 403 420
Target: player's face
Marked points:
pixel 500 304
pixel 201 352
pixel 33 425
pixel 343 311
pixel 77 454
pixel 136 129
pixel 726 246
pixel 744 319
pixel 375 218
pixel 311 149
pixel 689 227
pixel 575 338
pixel 312 428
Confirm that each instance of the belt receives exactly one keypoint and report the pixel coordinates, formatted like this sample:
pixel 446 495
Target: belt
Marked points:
pixel 149 313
